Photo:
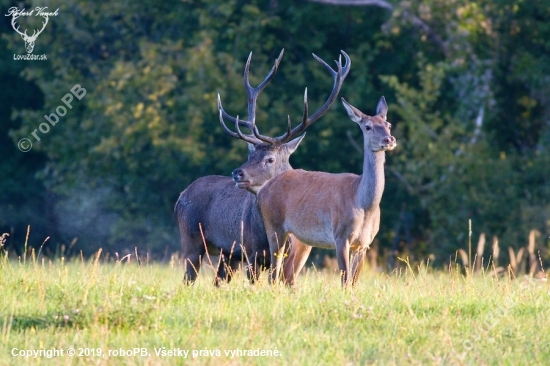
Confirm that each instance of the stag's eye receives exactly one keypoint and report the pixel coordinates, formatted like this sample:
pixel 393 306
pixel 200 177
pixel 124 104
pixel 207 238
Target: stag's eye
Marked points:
pixel 270 160
pixel 368 128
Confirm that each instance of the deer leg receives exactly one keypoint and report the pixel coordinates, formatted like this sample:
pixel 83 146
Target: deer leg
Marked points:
pixel 358 259
pixel 222 273
pixel 342 255
pixel 297 257
pixel 276 239
pixel 233 268
pixel 257 265
pixel 253 269
pixel 191 265
pixel 192 253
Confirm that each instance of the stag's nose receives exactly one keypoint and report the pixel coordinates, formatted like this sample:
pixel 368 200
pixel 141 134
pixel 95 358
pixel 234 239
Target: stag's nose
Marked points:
pixel 238 175
pixel 390 140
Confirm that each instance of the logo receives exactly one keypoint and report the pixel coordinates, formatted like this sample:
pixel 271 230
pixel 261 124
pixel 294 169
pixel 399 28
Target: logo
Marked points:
pixel 29 40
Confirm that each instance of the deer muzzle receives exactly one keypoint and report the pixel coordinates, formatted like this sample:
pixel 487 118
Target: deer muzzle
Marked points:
pixel 389 143
pixel 239 178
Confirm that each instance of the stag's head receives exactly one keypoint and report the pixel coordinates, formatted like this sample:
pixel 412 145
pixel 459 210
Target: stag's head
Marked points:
pixel 29 40
pixel 265 161
pixel 269 156
pixel 376 130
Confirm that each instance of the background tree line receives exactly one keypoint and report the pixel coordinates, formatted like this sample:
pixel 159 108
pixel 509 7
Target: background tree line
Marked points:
pixel 468 86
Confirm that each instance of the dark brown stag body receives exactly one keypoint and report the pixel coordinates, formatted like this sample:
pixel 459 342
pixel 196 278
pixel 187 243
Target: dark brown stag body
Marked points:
pixel 213 222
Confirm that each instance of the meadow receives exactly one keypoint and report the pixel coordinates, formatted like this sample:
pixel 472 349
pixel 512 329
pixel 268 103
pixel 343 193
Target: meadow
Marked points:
pixel 128 312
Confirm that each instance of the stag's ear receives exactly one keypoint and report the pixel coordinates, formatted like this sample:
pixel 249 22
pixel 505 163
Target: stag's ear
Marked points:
pixel 354 114
pixel 293 144
pixel 382 108
pixel 251 147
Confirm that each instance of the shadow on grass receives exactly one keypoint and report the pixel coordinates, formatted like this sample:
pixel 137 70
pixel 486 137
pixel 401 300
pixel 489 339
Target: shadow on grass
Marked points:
pixel 114 318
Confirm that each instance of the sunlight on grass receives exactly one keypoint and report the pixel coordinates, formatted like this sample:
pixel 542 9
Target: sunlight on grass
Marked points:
pixel 430 317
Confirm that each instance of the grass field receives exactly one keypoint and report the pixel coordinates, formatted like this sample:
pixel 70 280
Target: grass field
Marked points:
pixel 105 310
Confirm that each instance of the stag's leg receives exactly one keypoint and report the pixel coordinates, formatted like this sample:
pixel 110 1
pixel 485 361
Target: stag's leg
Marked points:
pixel 342 255
pixel 191 265
pixel 297 257
pixel 222 273
pixel 192 247
pixel 226 268
pixel 252 267
pixel 358 260
pixel 233 268
pixel 193 252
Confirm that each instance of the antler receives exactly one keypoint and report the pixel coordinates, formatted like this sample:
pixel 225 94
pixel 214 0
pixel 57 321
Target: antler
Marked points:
pixel 24 34
pixel 40 31
pixel 239 135
pixel 13 19
pixel 339 76
pixel 252 94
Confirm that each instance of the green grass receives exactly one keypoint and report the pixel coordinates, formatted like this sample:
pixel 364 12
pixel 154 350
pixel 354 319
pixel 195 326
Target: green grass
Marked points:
pixel 398 319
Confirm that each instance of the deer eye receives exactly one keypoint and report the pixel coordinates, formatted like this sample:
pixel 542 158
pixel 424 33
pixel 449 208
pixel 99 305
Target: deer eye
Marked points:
pixel 368 128
pixel 270 160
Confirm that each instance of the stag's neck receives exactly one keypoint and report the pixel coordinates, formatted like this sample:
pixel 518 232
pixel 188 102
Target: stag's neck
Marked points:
pixel 371 184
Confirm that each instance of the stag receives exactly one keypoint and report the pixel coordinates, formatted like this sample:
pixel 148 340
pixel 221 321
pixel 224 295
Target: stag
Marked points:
pixel 217 217
pixel 29 40
pixel 340 211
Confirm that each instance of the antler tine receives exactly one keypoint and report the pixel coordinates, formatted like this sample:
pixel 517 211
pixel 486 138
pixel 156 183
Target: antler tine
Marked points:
pixel 274 140
pixel 232 119
pixel 247 138
pixel 339 75
pixel 237 121
pixel 253 93
pixel 271 74
pixel 289 126
pixel 44 24
pixel 229 132
pixel 239 134
pixel 13 21
pixel 345 68
pixel 266 139
pixel 306 108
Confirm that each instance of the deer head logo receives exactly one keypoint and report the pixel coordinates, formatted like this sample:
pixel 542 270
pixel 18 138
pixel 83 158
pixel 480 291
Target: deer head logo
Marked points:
pixel 29 40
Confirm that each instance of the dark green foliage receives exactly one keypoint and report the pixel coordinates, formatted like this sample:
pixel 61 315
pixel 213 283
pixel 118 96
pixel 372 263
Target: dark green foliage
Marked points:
pixel 110 171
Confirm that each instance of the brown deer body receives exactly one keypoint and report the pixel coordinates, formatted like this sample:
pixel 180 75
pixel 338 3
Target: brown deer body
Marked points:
pixel 215 217
pixel 218 217
pixel 325 210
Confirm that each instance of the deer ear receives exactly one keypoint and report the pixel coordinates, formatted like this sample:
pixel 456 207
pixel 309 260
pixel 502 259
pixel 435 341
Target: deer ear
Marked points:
pixel 251 147
pixel 382 108
pixel 354 114
pixel 293 144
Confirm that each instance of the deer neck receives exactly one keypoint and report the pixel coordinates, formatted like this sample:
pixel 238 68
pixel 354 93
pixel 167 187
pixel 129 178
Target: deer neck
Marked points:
pixel 371 184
